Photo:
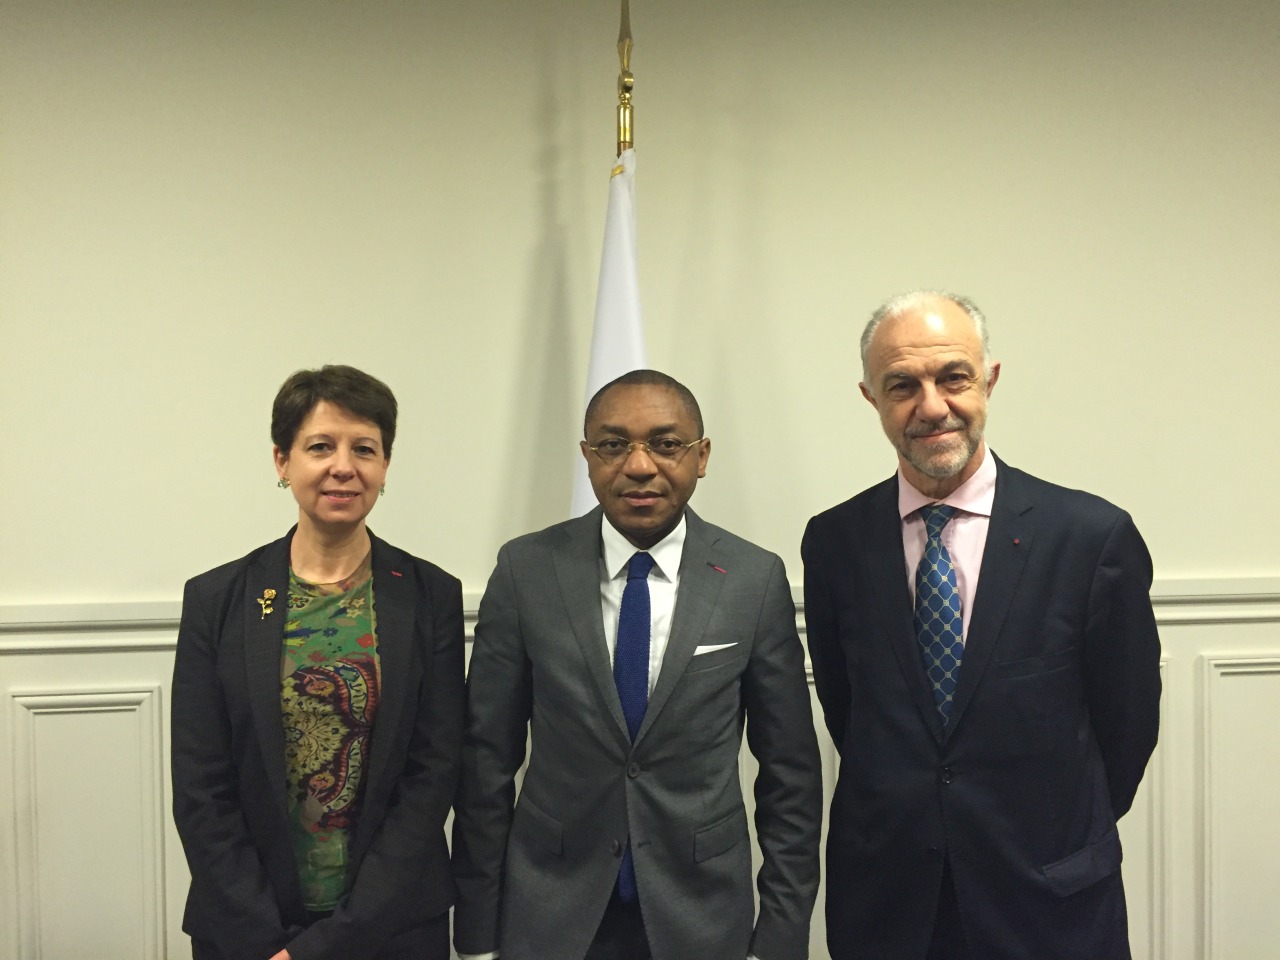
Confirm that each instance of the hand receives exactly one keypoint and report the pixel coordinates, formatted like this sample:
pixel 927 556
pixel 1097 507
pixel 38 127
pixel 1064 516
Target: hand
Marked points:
pixel 282 955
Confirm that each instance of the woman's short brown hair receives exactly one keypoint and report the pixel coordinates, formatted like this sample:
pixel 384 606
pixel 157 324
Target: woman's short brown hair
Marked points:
pixel 354 390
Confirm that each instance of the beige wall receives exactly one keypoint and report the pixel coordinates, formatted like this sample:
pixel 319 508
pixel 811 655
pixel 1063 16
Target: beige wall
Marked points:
pixel 197 199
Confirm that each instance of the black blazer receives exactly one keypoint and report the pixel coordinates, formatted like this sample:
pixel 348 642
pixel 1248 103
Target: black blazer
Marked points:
pixel 228 762
pixel 1055 716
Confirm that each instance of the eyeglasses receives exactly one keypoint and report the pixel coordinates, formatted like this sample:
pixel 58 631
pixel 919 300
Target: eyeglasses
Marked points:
pixel 660 449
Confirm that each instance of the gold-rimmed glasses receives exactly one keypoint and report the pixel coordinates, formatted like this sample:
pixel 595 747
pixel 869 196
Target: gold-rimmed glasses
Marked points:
pixel 662 449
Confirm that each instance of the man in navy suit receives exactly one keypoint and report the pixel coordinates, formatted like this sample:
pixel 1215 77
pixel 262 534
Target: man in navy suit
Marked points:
pixel 985 652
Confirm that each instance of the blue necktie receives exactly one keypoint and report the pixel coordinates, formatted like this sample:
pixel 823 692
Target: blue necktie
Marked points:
pixel 937 616
pixel 631 675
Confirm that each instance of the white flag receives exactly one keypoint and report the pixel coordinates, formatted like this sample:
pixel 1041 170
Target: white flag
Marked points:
pixel 617 340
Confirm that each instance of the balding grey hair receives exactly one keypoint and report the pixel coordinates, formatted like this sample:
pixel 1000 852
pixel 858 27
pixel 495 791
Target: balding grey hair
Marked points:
pixel 914 300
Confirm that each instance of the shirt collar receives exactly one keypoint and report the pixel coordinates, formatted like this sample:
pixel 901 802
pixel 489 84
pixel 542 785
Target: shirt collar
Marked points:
pixel 976 495
pixel 618 551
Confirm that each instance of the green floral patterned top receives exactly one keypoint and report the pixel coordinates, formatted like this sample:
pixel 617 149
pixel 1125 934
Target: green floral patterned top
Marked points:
pixel 329 692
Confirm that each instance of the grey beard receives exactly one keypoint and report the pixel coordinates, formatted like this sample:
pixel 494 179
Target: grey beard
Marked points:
pixel 941 466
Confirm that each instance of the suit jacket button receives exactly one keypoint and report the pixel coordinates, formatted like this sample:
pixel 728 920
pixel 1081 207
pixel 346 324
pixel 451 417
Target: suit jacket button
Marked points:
pixel 615 848
pixel 633 771
pixel 946 774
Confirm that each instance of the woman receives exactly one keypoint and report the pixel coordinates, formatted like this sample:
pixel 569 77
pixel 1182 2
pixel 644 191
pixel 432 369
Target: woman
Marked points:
pixel 317 711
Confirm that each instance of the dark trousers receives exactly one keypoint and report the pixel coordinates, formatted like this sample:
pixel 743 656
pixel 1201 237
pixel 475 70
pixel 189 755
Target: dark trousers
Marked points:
pixel 428 941
pixel 948 941
pixel 621 934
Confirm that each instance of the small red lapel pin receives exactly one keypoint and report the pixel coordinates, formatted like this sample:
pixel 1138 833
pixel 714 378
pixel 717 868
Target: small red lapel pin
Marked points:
pixel 396 573
pixel 1016 541
pixel 715 568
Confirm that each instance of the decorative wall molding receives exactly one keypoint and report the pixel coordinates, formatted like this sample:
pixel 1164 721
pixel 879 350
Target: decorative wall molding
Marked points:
pixel 1159 831
pixel 89 627
pixel 27 711
pixel 1217 670
pixel 153 625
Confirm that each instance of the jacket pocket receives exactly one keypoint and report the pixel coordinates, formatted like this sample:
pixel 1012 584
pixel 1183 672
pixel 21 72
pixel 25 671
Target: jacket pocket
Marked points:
pixel 1032 666
pixel 1085 867
pixel 542 828
pixel 715 838
pixel 715 659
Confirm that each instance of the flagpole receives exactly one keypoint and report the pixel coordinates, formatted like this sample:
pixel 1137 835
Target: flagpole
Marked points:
pixel 617 336
pixel 626 139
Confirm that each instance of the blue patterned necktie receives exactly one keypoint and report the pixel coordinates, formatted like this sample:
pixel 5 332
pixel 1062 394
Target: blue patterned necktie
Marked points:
pixel 937 616
pixel 631 675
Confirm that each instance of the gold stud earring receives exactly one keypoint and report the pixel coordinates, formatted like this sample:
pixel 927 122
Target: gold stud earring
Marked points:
pixel 283 483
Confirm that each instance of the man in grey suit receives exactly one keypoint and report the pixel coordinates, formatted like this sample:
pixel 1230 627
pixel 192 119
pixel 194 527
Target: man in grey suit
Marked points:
pixel 630 838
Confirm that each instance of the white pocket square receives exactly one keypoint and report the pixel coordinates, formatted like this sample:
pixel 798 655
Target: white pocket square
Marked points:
pixel 712 647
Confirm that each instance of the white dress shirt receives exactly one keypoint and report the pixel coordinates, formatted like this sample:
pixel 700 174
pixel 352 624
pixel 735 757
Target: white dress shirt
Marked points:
pixel 664 581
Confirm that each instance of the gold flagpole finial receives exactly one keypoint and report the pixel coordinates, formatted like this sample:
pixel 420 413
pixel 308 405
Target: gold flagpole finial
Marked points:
pixel 626 81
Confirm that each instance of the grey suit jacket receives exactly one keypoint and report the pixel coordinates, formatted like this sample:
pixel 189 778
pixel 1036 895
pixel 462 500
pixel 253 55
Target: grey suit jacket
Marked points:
pixel 535 875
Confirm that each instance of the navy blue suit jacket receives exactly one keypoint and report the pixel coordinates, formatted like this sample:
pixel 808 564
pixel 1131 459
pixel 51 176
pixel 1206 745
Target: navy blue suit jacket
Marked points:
pixel 1055 716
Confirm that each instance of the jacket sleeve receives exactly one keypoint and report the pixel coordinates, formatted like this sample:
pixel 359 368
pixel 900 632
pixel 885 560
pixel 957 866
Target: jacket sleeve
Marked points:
pixel 788 787
pixel 410 834
pixel 238 905
pixel 1122 661
pixel 826 656
pixel 499 705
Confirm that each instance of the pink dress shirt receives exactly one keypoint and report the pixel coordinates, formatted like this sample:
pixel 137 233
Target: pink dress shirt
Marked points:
pixel 965 536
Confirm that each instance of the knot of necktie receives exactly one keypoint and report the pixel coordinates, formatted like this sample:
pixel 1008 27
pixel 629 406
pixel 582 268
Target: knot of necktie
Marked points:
pixel 936 516
pixel 638 566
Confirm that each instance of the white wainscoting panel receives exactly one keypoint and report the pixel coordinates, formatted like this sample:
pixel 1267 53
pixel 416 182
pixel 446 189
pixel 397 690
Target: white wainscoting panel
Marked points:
pixel 88 823
pixel 1242 806
pixel 1144 838
pixel 91 869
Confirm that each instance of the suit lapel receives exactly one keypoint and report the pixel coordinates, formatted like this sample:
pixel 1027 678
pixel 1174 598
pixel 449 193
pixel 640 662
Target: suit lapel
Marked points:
pixel 394 597
pixel 577 566
pixel 263 641
pixel 1009 544
pixel 885 567
pixel 699 592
